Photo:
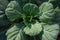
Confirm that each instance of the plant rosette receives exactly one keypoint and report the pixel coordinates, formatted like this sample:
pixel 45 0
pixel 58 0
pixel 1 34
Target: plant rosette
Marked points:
pixel 36 21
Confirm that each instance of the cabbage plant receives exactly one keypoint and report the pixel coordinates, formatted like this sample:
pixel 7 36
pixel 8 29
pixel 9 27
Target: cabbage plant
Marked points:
pixel 27 20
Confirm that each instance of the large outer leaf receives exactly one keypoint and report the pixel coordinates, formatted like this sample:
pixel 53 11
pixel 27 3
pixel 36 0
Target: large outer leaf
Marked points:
pixel 3 4
pixel 13 11
pixel 3 19
pixel 31 9
pixel 50 32
pixel 34 30
pixel 15 33
pixel 46 12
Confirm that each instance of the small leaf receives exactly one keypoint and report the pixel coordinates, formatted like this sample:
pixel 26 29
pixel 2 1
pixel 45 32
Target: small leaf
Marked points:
pixel 15 33
pixel 46 12
pixel 13 11
pixel 22 2
pixel 50 32
pixel 31 9
pixel 57 15
pixel 34 30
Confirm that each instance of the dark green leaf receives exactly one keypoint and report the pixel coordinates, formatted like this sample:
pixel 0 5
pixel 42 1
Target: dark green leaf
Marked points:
pixel 3 19
pixel 3 4
pixel 57 15
pixel 31 9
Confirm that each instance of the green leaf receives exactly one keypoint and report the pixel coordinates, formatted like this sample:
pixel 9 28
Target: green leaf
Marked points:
pixel 3 19
pixel 31 9
pixel 34 29
pixel 55 2
pixel 15 32
pixel 13 11
pixel 50 32
pixel 22 2
pixel 46 12
pixel 3 4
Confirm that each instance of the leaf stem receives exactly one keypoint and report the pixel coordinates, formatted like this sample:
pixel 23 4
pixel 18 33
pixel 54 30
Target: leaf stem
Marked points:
pixel 31 18
pixel 24 19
